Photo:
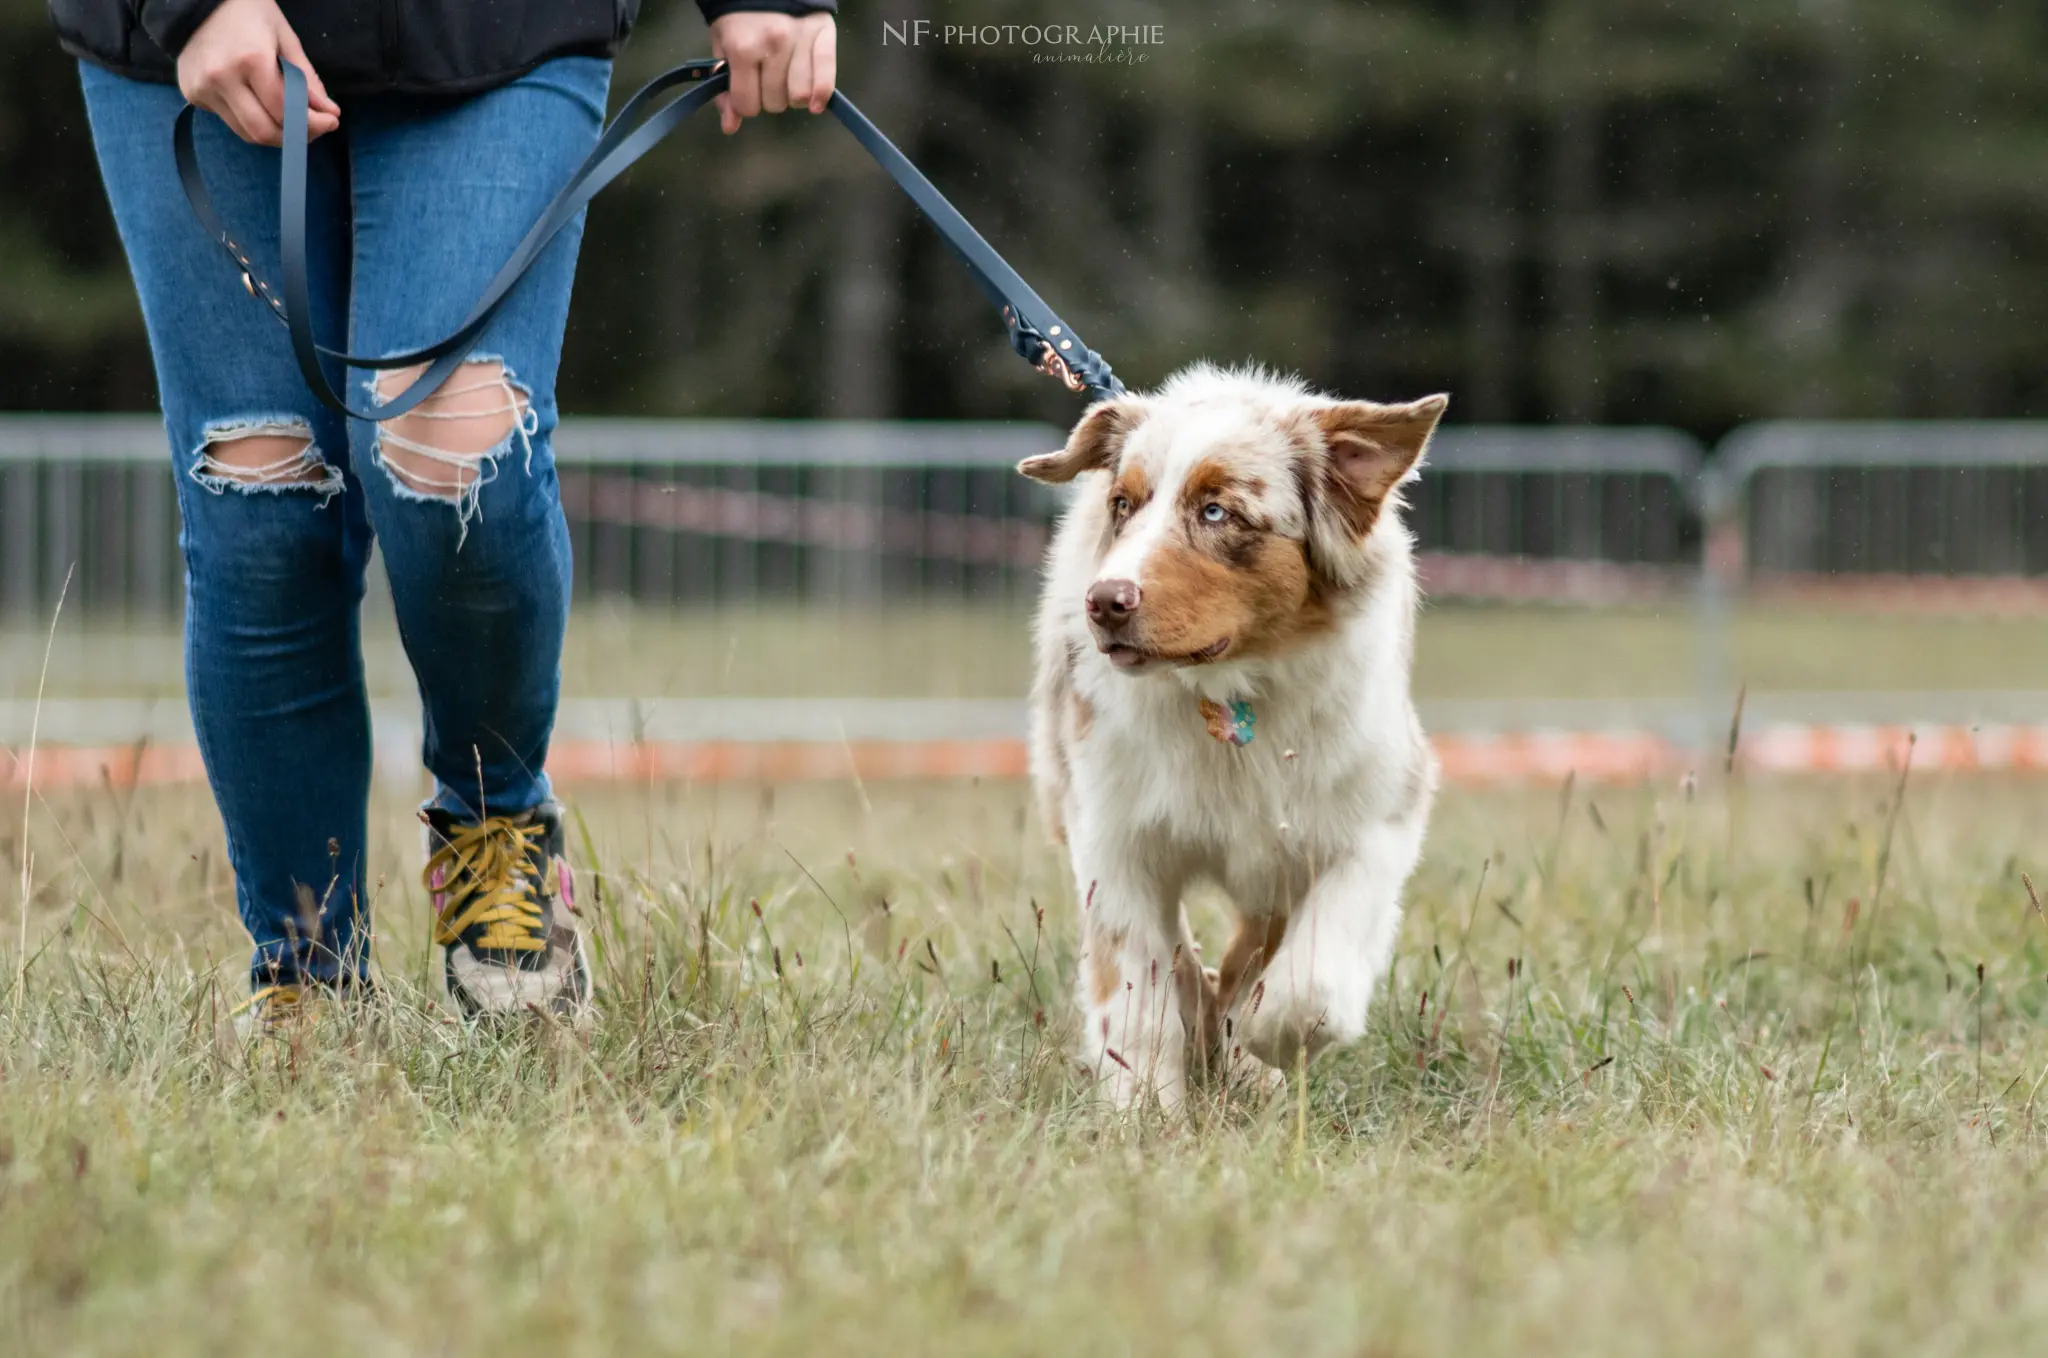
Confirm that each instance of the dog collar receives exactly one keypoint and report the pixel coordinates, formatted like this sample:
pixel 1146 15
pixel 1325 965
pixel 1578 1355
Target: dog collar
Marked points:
pixel 1233 724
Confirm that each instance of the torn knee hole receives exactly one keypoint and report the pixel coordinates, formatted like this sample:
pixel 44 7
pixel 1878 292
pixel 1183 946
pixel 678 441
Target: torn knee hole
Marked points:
pixel 445 447
pixel 263 457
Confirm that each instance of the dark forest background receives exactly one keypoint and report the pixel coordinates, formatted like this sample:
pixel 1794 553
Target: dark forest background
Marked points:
pixel 1560 210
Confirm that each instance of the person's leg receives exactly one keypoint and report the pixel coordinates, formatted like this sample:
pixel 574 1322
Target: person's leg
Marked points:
pixel 463 495
pixel 274 534
pixel 462 490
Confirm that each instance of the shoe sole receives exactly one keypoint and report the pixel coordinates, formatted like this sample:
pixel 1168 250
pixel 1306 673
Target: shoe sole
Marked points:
pixel 566 994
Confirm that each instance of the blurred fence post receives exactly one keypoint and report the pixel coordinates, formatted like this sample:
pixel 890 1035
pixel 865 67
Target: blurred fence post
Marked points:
pixel 1885 513
pixel 19 515
pixel 1722 557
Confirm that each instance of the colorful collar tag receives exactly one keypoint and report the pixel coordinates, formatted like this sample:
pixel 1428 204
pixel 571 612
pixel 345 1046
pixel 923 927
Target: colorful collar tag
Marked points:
pixel 1232 725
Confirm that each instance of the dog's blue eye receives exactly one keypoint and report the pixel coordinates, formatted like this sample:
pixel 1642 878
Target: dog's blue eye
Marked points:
pixel 1122 506
pixel 1214 513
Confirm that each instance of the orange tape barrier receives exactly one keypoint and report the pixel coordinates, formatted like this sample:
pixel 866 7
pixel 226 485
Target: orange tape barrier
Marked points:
pixel 114 765
pixel 1467 758
pixel 1940 595
pixel 779 762
pixel 1552 755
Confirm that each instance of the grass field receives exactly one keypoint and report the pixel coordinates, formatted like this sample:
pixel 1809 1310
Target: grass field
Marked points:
pixel 1464 652
pixel 1750 1071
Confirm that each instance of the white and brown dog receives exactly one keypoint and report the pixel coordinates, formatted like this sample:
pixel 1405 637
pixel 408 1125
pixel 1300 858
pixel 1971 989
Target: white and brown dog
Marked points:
pixel 1224 645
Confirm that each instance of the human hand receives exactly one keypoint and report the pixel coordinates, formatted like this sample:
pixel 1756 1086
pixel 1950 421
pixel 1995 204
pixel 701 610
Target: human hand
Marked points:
pixel 777 62
pixel 230 67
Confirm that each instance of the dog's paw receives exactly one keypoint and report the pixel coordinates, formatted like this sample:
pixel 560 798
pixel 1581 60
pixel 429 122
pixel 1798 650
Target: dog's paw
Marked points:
pixel 1292 1017
pixel 1119 1077
pixel 1125 1091
pixel 1245 1076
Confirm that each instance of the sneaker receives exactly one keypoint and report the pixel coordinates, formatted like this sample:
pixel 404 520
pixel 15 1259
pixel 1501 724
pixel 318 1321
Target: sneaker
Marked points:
pixel 505 913
pixel 288 1007
pixel 272 1010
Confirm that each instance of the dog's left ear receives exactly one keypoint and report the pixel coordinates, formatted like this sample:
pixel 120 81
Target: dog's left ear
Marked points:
pixel 1095 443
pixel 1368 450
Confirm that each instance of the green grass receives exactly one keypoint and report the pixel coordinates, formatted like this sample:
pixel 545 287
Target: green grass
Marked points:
pixel 1697 1075
pixel 1463 652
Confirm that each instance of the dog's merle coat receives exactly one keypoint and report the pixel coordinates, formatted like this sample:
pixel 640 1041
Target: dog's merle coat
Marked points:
pixel 1233 538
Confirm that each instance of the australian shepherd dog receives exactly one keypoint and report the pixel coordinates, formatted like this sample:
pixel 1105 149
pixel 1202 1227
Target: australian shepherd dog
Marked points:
pixel 1221 696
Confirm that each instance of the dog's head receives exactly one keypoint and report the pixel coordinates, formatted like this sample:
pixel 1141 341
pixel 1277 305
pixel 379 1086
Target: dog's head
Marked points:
pixel 1237 511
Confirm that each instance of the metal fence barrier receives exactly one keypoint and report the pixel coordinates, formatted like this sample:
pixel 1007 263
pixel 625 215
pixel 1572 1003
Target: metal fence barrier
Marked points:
pixel 1805 499
pixel 87 498
pixel 1619 495
pixel 875 514
pixel 1579 514
pixel 688 512
pixel 683 512
pixel 724 512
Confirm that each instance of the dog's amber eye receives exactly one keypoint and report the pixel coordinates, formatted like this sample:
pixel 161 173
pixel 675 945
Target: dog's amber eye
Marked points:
pixel 1214 513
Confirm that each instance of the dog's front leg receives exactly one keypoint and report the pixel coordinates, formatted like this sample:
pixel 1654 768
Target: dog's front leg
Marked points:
pixel 1319 984
pixel 1140 984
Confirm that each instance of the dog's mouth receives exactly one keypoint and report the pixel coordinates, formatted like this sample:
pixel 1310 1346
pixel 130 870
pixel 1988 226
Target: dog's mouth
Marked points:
pixel 1127 657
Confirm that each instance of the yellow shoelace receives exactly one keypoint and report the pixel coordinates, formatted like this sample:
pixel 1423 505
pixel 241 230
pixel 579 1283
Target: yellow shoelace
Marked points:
pixel 278 1002
pixel 485 871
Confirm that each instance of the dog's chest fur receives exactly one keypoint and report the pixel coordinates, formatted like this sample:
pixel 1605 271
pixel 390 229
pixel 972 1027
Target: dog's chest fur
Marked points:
pixel 1335 743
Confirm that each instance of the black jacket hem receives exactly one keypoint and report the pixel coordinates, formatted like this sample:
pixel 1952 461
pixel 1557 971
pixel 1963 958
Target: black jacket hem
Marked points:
pixel 419 47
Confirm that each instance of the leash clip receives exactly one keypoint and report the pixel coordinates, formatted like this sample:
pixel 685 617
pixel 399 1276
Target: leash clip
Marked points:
pixel 1052 365
pixel 1048 359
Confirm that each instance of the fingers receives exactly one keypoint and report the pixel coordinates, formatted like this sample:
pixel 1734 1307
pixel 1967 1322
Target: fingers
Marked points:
pixel 251 121
pixel 745 90
pixel 323 115
pixel 824 65
pixel 266 83
pixel 317 99
pixel 220 110
pixel 775 63
pixel 776 74
pixel 797 85
pixel 728 120
pixel 230 66
pixel 776 54
pixel 228 89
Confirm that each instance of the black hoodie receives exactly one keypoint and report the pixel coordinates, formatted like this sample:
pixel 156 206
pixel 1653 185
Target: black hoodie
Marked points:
pixel 362 46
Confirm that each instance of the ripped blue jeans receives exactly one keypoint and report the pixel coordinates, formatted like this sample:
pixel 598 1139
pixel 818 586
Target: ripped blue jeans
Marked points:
pixel 414 204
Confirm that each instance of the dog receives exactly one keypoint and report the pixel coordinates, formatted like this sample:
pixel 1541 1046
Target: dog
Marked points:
pixel 1221 695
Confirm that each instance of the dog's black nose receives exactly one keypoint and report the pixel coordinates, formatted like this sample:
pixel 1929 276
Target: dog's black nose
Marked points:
pixel 1112 602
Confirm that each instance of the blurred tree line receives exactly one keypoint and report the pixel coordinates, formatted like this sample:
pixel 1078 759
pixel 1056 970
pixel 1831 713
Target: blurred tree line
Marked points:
pixel 1560 210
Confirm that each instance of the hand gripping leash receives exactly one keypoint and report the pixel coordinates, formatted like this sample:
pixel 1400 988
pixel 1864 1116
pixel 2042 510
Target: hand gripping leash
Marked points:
pixel 1036 333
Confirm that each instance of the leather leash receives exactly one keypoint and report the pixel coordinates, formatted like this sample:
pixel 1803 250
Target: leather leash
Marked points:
pixel 1036 332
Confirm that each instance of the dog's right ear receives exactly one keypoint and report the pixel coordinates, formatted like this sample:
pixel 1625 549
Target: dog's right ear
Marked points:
pixel 1096 442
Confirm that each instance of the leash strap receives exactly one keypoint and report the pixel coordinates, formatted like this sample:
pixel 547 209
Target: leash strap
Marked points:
pixel 1036 332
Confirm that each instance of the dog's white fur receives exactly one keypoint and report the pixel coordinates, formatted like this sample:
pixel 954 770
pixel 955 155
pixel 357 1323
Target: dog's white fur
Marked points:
pixel 1312 828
